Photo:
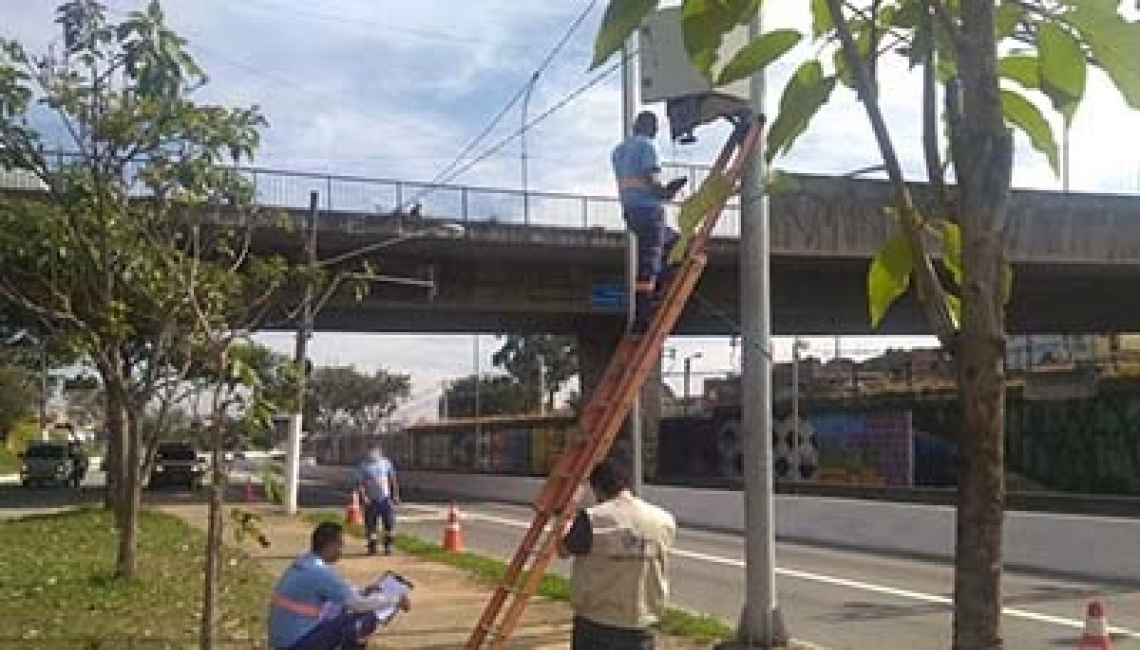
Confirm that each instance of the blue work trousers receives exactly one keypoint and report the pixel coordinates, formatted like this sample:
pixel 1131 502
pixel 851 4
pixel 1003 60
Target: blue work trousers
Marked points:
pixel 349 631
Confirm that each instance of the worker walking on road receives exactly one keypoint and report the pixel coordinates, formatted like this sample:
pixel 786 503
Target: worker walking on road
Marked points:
pixel 380 493
pixel 643 200
pixel 313 608
pixel 620 548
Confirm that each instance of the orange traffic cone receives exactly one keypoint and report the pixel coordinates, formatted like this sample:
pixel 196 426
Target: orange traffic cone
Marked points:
pixel 250 495
pixel 1096 629
pixel 352 514
pixel 452 535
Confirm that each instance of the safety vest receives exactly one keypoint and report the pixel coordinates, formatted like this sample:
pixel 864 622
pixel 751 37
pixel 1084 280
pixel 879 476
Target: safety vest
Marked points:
pixel 623 581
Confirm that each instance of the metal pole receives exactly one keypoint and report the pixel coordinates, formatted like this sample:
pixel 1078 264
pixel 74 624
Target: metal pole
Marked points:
pixel 760 623
pixel 300 358
pixel 629 103
pixel 44 388
pixel 796 408
pixel 688 370
pixel 523 149
pixel 541 386
pixel 478 380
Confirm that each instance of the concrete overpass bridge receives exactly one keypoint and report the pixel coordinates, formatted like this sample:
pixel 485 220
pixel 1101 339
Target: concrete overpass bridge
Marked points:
pixel 551 262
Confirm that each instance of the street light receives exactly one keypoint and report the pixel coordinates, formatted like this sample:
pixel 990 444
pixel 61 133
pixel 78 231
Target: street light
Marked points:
pixel 688 374
pixel 797 346
pixel 309 310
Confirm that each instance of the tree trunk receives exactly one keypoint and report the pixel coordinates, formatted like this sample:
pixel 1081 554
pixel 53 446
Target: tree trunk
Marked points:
pixel 123 472
pixel 214 527
pixel 983 157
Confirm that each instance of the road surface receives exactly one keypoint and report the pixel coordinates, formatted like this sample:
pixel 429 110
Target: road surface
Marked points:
pixel 836 599
pixel 840 600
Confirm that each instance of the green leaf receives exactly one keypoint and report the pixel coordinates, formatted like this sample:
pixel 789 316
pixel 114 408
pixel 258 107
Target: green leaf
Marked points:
pixel 1063 68
pixel 1026 116
pixel 621 19
pixel 1114 41
pixel 889 276
pixel 1007 17
pixel 758 54
pixel 704 24
pixel 1021 68
pixel 951 236
pixel 821 22
pixel 713 192
pixel 954 306
pixel 806 92
pixel 743 10
pixel 779 181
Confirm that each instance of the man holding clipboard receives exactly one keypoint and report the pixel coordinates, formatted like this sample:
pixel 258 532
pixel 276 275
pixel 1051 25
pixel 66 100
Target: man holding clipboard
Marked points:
pixel 314 608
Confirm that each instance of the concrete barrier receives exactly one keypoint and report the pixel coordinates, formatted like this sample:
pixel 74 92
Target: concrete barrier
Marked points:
pixel 1088 546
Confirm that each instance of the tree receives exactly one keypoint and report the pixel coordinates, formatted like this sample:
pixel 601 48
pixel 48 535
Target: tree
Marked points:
pixel 497 395
pixel 122 276
pixel 18 394
pixel 542 363
pixel 344 396
pixel 987 68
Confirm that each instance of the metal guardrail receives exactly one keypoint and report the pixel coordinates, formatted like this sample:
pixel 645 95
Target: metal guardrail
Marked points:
pixel 462 203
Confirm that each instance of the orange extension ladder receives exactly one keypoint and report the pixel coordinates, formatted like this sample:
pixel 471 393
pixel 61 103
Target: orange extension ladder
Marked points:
pixel 609 404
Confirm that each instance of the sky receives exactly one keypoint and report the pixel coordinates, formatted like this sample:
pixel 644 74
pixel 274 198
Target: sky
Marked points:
pixel 387 89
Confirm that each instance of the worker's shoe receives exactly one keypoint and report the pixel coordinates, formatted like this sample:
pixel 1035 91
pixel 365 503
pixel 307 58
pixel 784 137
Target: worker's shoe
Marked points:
pixel 372 547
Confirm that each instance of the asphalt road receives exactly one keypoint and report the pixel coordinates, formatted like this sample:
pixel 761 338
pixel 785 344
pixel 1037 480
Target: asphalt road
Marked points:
pixel 836 599
pixel 831 598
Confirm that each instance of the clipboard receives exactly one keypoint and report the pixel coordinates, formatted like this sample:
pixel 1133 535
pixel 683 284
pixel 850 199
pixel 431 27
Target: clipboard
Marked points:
pixel 391 584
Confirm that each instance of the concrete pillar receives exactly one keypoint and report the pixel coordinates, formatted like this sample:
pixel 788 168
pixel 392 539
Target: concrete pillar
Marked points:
pixel 595 349
pixel 651 397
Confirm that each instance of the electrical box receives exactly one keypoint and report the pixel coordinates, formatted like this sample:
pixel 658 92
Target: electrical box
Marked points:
pixel 668 76
pixel 667 73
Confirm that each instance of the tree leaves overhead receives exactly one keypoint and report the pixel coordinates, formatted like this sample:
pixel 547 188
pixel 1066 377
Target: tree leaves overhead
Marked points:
pixel 758 54
pixel 806 92
pixel 1025 115
pixel 703 25
pixel 1063 70
pixel 888 277
pixel 1115 43
pixel 621 19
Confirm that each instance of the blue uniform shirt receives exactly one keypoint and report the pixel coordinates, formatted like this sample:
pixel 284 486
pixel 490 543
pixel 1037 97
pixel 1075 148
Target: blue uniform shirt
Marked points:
pixel 306 588
pixel 632 160
pixel 374 475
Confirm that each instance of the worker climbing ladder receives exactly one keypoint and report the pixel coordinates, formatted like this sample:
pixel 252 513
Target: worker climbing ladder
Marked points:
pixel 611 400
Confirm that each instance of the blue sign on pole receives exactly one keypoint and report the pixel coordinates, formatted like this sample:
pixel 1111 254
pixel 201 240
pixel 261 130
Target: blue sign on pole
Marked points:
pixel 608 295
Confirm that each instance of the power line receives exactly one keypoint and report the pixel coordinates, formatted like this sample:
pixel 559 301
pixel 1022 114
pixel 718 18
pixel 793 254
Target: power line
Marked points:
pixel 445 175
pixel 502 144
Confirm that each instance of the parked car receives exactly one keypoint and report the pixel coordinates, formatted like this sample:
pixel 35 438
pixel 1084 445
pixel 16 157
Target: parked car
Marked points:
pixel 177 464
pixel 53 463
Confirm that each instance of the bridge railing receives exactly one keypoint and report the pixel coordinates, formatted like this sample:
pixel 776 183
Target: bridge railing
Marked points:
pixel 464 203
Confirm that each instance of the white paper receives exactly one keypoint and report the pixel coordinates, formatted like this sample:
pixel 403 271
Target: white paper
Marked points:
pixel 393 586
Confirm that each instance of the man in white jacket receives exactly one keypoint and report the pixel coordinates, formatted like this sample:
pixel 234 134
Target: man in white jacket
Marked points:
pixel 314 608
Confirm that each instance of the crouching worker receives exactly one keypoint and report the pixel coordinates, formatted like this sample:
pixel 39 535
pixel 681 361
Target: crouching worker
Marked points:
pixel 314 608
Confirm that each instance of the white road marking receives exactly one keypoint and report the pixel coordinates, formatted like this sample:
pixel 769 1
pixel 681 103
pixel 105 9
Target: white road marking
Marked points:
pixel 826 579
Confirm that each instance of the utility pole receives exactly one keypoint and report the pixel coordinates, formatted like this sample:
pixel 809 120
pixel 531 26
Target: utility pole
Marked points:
pixel 629 105
pixel 523 153
pixel 797 346
pixel 45 387
pixel 541 385
pixel 688 375
pixel 300 358
pixel 760 621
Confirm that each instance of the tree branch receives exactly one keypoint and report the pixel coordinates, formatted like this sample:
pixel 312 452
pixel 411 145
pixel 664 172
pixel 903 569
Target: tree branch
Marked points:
pixel 930 140
pixel 928 285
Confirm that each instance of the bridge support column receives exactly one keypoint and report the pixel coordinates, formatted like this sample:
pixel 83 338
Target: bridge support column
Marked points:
pixel 596 347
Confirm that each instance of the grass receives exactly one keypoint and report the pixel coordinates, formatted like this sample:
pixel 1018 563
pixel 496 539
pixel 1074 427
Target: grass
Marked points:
pixel 57 589
pixel 676 622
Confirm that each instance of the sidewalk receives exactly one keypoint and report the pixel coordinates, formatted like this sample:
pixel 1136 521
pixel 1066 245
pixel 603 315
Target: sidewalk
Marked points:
pixel 446 602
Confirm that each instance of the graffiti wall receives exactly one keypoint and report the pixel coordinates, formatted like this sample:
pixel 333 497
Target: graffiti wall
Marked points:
pixel 844 447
